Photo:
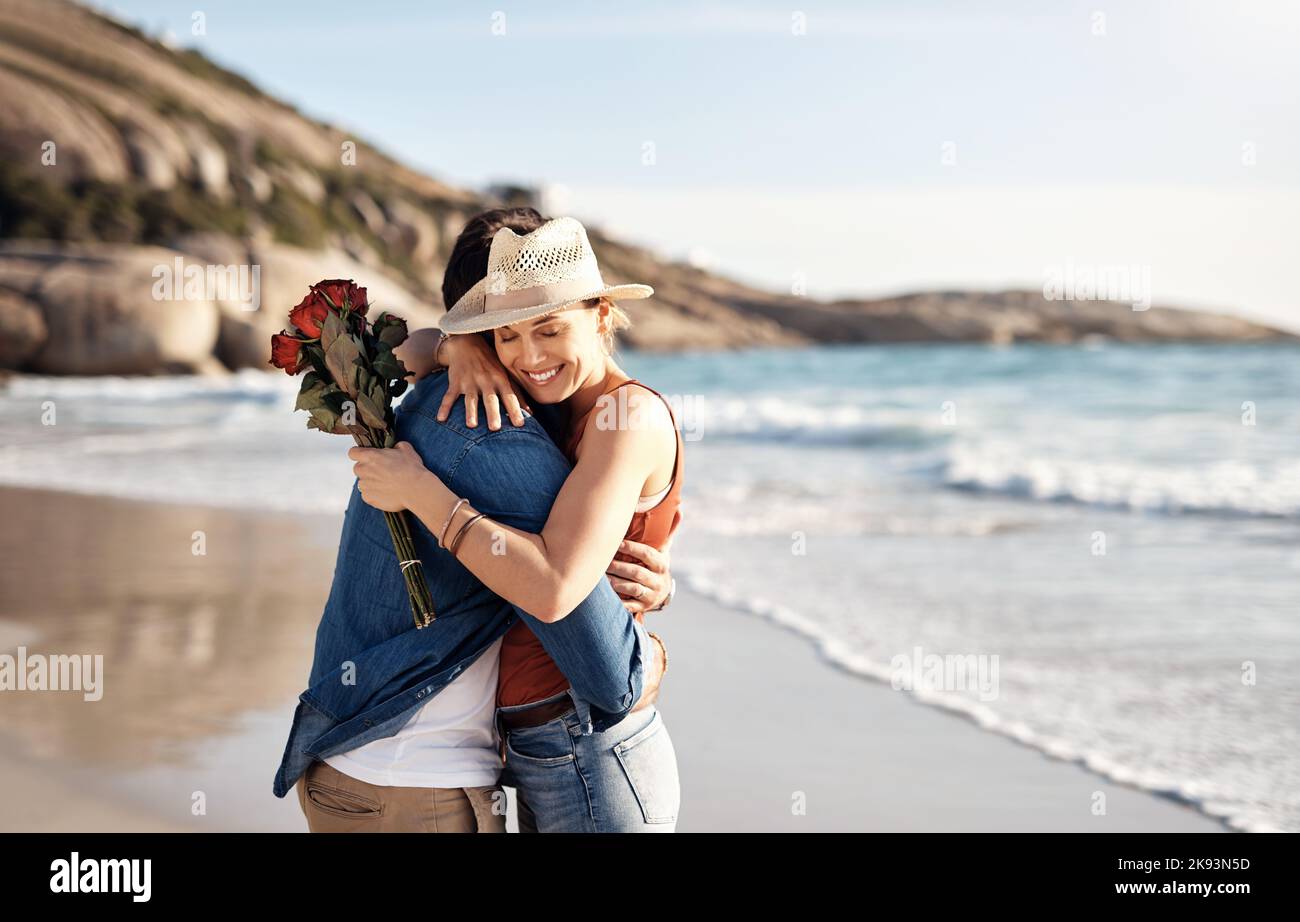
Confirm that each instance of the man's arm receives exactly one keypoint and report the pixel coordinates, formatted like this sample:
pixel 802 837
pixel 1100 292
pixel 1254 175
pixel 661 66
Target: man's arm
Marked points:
pixel 608 657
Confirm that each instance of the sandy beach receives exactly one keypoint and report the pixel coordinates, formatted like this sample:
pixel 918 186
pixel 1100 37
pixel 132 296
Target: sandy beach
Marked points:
pixel 204 655
pixel 989 505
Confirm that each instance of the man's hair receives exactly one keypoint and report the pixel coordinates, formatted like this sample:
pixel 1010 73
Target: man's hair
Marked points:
pixel 469 257
pixel 467 264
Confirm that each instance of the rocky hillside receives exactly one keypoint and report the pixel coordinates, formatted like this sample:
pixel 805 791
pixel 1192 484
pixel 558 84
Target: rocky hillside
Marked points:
pixel 119 155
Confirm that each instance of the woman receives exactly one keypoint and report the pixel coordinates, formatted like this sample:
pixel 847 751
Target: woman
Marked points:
pixel 550 319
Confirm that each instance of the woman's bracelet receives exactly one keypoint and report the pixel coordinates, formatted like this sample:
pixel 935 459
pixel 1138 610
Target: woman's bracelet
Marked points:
pixel 442 533
pixel 460 535
pixel 437 350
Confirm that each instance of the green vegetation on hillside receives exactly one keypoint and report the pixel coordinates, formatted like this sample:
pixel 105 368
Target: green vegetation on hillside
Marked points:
pixel 90 210
pixel 33 205
pixel 86 211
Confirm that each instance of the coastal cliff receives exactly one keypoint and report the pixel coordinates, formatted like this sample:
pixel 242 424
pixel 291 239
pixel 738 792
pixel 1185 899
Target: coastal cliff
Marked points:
pixel 120 155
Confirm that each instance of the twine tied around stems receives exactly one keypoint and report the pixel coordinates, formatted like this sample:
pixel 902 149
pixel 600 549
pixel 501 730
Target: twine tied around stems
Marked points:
pixel 412 570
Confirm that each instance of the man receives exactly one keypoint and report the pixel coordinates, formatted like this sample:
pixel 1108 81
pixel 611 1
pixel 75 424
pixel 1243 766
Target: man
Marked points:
pixel 374 674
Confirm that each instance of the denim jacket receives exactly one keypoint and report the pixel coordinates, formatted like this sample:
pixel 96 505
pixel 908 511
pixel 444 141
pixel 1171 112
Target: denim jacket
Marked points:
pixel 372 669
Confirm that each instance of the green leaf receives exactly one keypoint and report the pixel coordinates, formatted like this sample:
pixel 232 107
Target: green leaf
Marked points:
pixel 333 327
pixel 310 397
pixel 374 404
pixel 336 399
pixel 388 366
pixel 324 418
pixel 312 391
pixel 316 357
pixel 341 359
pixel 363 377
pixel 371 414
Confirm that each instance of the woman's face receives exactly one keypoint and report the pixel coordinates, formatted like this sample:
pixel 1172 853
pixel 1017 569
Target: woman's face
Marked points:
pixel 554 355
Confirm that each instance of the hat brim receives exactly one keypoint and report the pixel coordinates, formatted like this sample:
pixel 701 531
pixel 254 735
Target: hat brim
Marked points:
pixel 468 315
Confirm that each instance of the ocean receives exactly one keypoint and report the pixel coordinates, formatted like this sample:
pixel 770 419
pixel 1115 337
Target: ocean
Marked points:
pixel 1108 534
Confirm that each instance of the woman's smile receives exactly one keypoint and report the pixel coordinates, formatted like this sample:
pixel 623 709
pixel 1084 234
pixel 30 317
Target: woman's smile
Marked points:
pixel 544 375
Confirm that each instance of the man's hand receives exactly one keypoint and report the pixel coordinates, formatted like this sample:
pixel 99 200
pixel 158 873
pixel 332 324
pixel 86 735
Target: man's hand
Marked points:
pixel 386 477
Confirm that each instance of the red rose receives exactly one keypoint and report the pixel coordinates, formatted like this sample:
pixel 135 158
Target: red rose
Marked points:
pixel 310 314
pixel 344 291
pixel 285 353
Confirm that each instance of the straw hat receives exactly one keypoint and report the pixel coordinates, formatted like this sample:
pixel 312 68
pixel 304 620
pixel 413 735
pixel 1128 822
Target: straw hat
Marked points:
pixel 533 274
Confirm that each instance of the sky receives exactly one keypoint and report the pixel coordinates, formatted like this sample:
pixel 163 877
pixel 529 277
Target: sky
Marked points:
pixel 845 149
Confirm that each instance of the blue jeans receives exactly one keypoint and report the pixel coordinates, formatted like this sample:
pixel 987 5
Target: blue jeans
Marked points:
pixel 622 779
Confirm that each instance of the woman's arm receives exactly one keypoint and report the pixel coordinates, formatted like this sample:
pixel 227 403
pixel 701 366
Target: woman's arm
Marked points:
pixel 473 371
pixel 545 574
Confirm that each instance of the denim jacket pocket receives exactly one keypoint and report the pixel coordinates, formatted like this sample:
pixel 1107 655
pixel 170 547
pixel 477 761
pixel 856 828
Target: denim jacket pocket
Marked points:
pixel 650 763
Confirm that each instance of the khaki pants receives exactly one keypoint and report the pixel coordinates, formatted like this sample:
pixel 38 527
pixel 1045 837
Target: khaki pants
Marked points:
pixel 335 802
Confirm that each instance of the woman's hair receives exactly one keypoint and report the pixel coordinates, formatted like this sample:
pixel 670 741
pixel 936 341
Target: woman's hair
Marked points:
pixel 618 320
pixel 467 264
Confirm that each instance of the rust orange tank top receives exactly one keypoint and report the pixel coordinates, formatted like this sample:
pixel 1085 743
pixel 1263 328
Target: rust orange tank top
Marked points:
pixel 527 672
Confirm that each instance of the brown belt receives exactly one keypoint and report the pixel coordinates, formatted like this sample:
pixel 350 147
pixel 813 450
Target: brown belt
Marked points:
pixel 536 715
pixel 539 714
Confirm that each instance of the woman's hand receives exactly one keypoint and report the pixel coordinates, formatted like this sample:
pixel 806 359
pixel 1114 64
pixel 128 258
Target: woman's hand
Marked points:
pixel 644 586
pixel 387 477
pixel 474 371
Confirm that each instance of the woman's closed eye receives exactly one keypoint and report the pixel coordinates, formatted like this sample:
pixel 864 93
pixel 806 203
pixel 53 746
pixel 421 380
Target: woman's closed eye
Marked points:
pixel 549 333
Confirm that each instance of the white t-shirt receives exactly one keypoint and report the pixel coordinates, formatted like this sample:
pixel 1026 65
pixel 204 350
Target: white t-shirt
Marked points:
pixel 450 742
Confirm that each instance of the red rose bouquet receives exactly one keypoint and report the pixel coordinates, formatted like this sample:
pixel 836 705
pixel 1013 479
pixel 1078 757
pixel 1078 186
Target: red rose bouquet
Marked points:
pixel 351 380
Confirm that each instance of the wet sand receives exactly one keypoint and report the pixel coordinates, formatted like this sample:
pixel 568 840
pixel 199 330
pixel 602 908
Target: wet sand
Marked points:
pixel 205 654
